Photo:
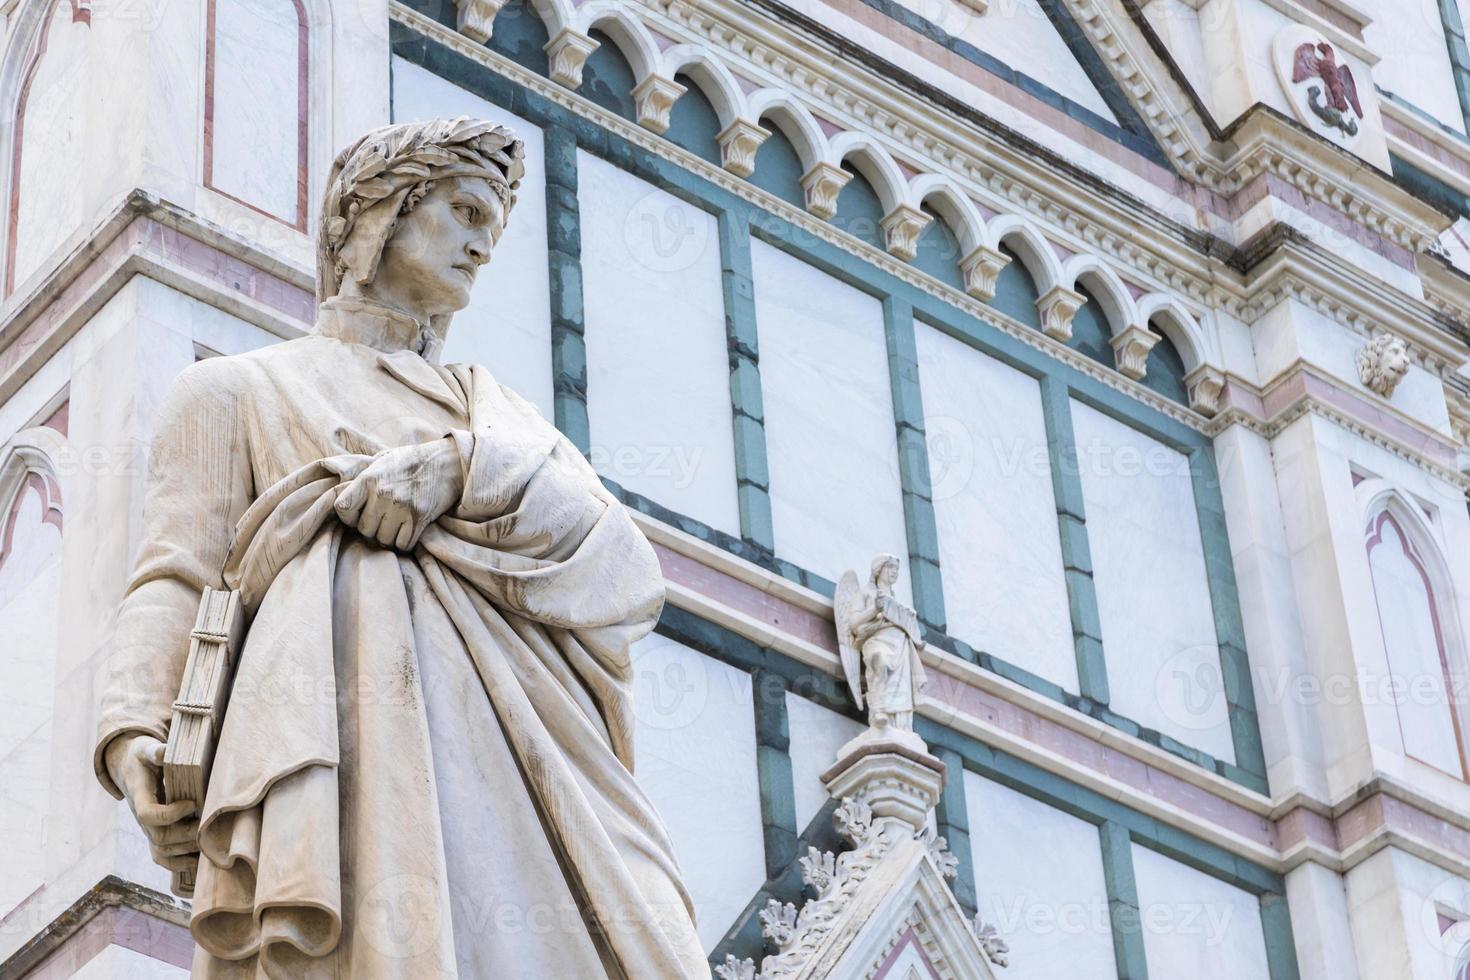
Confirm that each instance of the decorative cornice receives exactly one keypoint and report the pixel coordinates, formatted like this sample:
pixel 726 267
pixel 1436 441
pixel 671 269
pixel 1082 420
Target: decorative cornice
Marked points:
pixel 162 915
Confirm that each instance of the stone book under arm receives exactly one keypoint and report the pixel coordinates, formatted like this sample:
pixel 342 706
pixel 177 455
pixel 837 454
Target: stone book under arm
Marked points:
pixel 214 646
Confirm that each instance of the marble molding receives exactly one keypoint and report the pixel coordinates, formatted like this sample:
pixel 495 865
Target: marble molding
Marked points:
pixel 1382 364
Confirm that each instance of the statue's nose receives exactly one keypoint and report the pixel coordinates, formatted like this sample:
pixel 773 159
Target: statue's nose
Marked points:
pixel 479 250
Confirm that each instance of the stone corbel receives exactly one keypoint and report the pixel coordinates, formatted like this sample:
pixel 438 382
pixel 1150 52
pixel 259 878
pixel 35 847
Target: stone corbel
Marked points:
pixel 901 230
pixel 981 268
pixel 822 184
pixel 477 17
pixel 1057 306
pixel 1205 384
pixel 654 98
pixel 1130 350
pixel 567 53
pixel 738 143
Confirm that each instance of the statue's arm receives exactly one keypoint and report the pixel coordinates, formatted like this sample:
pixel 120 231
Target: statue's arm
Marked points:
pixel 198 485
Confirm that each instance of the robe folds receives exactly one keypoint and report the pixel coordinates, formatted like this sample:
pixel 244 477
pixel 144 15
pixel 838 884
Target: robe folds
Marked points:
pixel 425 768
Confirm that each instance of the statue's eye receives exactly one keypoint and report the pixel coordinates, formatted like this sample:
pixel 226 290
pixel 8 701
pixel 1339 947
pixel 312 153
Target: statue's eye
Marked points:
pixel 467 212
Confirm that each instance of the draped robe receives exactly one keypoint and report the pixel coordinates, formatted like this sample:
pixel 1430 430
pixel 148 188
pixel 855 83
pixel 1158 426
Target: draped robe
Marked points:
pixel 425 769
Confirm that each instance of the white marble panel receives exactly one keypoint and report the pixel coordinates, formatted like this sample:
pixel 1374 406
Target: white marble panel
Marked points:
pixel 1004 588
pixel 835 494
pixel 1195 925
pixel 1412 644
pixel 29 575
pixel 816 735
pixel 256 112
pixel 121 963
pixel 507 326
pixel 47 203
pixel 1019 34
pixel 695 758
pixel 1153 597
pixel 658 373
pixel 1039 881
pixel 1409 35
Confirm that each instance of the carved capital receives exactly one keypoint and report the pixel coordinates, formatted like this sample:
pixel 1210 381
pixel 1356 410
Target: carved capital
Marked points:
pixel 567 53
pixel 1130 350
pixel 654 97
pixel 738 143
pixel 1205 385
pixel 822 184
pixel 1057 306
pixel 901 230
pixel 981 268
pixel 476 17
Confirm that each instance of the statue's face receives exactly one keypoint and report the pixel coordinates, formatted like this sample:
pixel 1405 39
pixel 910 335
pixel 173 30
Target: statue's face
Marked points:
pixel 430 263
pixel 1396 361
pixel 888 574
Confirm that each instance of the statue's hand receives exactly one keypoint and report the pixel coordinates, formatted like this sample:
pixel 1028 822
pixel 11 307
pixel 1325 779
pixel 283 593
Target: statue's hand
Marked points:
pixel 134 761
pixel 402 492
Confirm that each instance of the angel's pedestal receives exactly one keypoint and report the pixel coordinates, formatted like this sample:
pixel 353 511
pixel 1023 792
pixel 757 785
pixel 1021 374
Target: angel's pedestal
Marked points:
pixel 894 775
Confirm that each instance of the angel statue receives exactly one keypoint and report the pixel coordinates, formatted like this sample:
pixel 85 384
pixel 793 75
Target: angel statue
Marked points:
pixel 425 765
pixel 878 637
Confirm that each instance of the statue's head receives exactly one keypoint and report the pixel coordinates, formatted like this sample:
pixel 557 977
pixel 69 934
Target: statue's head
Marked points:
pixel 885 571
pixel 1383 362
pixel 412 211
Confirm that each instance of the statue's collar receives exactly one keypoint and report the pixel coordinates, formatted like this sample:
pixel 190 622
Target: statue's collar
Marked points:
pixel 359 321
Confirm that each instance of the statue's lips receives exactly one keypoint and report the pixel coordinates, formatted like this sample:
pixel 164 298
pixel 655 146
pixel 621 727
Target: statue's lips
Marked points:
pixel 469 272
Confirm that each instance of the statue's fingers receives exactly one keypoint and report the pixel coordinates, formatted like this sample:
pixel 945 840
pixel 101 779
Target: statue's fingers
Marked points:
pixel 181 832
pixel 350 501
pixel 407 535
pixel 174 850
pixel 162 814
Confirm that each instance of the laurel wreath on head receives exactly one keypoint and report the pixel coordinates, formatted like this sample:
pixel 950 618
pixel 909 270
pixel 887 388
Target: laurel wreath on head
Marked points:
pixel 381 163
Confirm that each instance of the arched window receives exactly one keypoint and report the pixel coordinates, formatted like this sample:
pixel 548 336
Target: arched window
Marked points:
pixel 47 133
pixel 1418 635
pixel 257 71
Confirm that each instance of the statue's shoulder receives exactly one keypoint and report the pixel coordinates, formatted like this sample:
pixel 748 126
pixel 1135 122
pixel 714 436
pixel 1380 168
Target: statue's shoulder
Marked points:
pixel 225 379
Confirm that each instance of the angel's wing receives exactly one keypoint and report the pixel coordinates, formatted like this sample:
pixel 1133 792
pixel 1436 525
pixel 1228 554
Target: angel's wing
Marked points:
pixel 1350 86
pixel 1306 64
pixel 847 604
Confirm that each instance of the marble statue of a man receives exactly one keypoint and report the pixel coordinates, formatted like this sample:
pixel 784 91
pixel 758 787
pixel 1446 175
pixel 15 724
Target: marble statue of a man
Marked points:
pixel 425 768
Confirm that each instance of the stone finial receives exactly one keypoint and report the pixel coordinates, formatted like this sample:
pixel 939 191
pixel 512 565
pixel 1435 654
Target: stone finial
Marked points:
pixel 822 184
pixel 901 230
pixel 738 144
pixel 476 17
pixel 1130 350
pixel 568 53
pixel 1057 306
pixel 653 98
pixel 981 269
pixel 1205 384
pixel 1382 364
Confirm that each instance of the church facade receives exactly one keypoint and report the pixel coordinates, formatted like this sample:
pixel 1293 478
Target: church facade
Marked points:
pixel 1139 330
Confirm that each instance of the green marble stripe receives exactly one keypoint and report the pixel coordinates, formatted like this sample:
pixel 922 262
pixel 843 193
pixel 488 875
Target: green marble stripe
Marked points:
pixel 1454 36
pixel 1122 889
pixel 1066 478
pixel 952 819
pixel 849 268
pixel 752 473
pixel 564 261
pixel 773 770
pixel 1280 943
pixel 913 461
pixel 1235 671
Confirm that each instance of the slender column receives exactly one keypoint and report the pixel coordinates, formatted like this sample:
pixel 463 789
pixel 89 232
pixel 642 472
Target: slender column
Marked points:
pixel 913 461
